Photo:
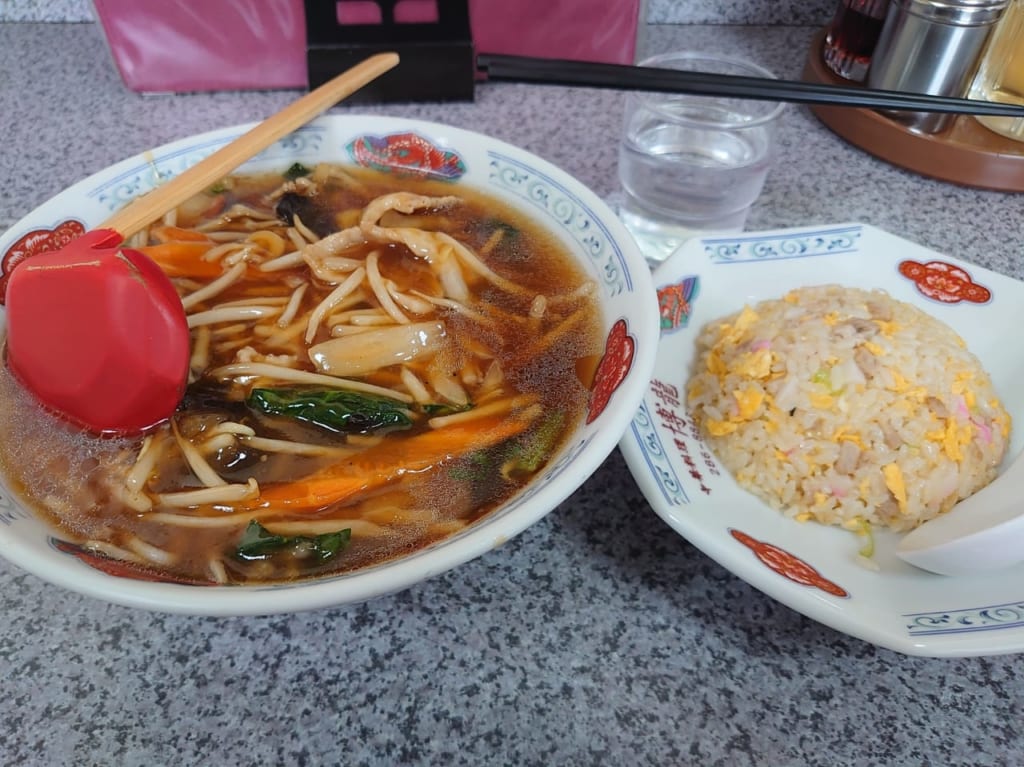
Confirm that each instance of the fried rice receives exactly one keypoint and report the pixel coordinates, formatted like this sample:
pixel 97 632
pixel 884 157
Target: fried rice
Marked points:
pixel 847 407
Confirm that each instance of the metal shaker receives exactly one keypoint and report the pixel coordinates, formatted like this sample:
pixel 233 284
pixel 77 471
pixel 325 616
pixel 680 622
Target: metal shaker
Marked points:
pixel 934 47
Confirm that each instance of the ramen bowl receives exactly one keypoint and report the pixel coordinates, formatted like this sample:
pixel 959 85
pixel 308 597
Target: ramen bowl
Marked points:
pixel 584 227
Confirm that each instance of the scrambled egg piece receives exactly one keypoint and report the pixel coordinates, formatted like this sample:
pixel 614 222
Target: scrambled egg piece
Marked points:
pixel 896 484
pixel 821 401
pixel 748 401
pixel 755 364
pixel 874 348
pixel 961 386
pixel 899 383
pixel 715 365
pixel 732 333
pixel 887 328
pixel 956 437
pixel 721 428
pixel 842 434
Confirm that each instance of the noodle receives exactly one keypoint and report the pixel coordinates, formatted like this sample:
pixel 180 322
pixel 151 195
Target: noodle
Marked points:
pixel 336 296
pixel 292 308
pixel 152 553
pixel 218 286
pixel 492 408
pixel 230 314
pixel 211 495
pixel 380 291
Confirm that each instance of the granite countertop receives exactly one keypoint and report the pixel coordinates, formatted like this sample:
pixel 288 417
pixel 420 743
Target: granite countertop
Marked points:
pixel 598 636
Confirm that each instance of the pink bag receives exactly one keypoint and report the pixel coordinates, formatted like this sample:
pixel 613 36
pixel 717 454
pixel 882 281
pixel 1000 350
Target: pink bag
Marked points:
pixel 205 45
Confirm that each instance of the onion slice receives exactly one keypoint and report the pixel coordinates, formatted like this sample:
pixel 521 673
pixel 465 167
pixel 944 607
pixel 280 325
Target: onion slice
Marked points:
pixel 362 353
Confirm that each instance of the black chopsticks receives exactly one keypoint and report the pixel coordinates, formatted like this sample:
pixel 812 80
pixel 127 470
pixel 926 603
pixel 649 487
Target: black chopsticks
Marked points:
pixel 635 78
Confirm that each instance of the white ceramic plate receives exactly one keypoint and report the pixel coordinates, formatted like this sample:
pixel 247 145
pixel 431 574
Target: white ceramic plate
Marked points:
pixel 579 218
pixel 810 567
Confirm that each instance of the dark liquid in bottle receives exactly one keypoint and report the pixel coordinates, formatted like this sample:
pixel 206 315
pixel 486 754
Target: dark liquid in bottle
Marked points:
pixel 852 36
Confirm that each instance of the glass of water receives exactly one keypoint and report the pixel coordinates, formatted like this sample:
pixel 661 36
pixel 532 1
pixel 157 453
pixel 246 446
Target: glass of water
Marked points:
pixel 692 165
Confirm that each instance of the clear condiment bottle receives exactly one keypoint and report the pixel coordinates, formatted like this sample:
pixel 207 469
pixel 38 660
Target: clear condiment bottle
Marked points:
pixel 851 37
pixel 1001 75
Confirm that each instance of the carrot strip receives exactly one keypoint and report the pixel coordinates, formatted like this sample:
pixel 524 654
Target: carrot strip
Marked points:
pixel 165 233
pixel 183 259
pixel 384 463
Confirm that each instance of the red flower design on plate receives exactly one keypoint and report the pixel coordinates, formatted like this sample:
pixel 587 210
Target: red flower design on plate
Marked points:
pixel 406 153
pixel 35 242
pixel 615 363
pixel 787 565
pixel 944 282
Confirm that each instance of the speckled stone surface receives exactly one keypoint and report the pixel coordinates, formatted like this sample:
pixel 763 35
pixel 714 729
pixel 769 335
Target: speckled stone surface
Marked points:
pixel 786 12
pixel 597 637
pixel 46 10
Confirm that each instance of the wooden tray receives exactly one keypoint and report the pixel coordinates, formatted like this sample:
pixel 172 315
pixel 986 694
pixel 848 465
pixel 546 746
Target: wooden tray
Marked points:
pixel 965 153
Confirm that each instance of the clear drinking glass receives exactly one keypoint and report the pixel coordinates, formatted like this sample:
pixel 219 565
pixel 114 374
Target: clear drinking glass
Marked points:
pixel 691 165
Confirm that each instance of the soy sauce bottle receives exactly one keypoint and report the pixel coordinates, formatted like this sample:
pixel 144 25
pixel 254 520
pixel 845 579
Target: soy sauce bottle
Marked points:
pixel 852 35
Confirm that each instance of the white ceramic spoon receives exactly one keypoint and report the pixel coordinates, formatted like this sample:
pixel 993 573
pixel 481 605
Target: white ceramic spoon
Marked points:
pixel 981 533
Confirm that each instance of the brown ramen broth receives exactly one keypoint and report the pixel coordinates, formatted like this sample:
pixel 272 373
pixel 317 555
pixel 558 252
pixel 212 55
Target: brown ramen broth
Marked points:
pixel 377 363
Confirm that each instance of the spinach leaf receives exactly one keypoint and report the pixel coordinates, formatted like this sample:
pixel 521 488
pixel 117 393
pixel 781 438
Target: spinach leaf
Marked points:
pixel 523 455
pixel 491 225
pixel 509 247
pixel 259 543
pixel 344 412
pixel 474 468
pixel 528 454
pixel 439 409
pixel 296 170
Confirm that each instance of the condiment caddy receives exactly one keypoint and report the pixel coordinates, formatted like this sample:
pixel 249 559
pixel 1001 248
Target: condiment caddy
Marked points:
pixel 926 47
